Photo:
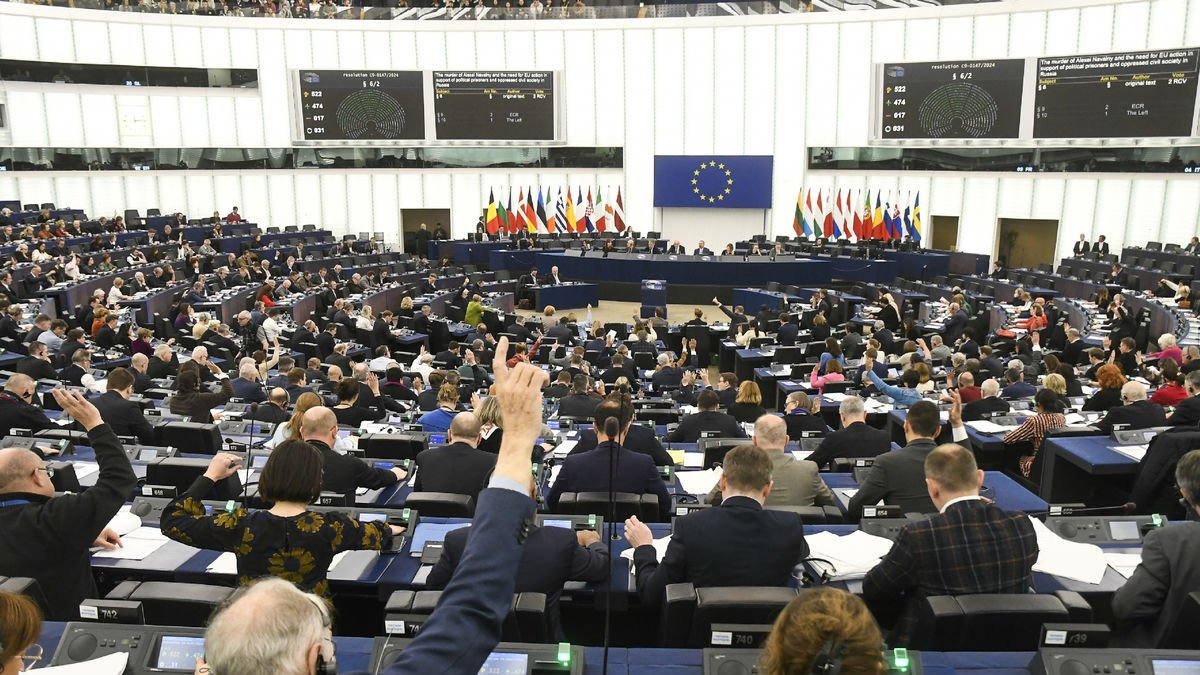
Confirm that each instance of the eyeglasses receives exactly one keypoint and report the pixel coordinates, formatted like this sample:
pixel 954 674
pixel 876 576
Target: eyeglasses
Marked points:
pixel 31 656
pixel 27 395
pixel 48 469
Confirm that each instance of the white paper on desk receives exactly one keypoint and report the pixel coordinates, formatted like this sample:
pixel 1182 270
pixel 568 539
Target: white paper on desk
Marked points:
pixel 554 474
pixel 849 492
pixel 226 563
pixel 873 406
pixel 801 454
pixel 852 555
pixel 1075 418
pixel 136 545
pixel 113 664
pixel 1134 452
pixel 836 398
pixel 564 449
pixel 85 469
pixel 660 549
pixel 1123 563
pixel 1067 559
pixel 337 559
pixel 988 427
pixel 688 409
pixel 693 460
pixel 699 482
pixel 124 522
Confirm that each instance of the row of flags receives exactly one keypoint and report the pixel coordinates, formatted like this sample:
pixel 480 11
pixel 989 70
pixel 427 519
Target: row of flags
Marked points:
pixel 572 214
pixel 841 217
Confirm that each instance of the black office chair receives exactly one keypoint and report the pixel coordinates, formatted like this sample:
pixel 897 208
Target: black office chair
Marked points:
pixel 405 445
pixel 813 515
pixel 986 622
pixel 193 437
pixel 172 603
pixel 441 504
pixel 626 504
pixel 526 621
pixel 26 586
pixel 181 472
pixel 689 612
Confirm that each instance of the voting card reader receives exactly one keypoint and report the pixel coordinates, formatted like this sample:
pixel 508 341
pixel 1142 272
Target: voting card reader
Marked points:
pixel 571 522
pixel 152 649
pixel 899 661
pixel 1058 661
pixel 1103 529
pixel 508 658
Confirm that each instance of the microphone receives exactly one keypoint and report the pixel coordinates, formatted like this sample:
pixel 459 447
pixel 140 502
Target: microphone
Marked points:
pixel 249 457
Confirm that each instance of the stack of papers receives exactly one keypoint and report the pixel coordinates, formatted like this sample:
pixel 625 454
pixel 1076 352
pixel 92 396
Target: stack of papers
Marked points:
pixel 873 406
pixel 852 555
pixel 660 549
pixel 699 482
pixel 136 545
pixel 1067 559
pixel 1123 563
pixel 678 456
pixel 124 522
pixel 989 427
pixel 801 454
pixel 836 398
pixel 113 664
pixel 564 449
pixel 693 460
pixel 1134 452
pixel 85 469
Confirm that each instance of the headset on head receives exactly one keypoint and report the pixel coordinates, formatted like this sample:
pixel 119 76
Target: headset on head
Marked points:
pixel 828 661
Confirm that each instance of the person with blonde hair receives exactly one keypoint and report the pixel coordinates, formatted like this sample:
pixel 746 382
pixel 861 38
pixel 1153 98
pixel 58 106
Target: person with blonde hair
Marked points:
pixel 747 407
pixel 818 617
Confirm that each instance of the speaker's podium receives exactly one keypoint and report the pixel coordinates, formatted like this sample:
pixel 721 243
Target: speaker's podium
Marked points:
pixel 654 296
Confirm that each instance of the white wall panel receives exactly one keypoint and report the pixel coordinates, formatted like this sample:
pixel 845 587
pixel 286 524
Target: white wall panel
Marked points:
pixel 1133 20
pixel 956 38
pixel 173 195
pixel 188 50
pixel 1079 210
pixel 207 193
pixel 744 103
pixel 991 36
pixel 65 116
pixel 669 116
pixel 255 199
pixel 610 90
pixel 1168 22
pixel 699 82
pixel 334 206
pixel 1027 34
pixel 25 47
pixel 193 119
pixel 1016 198
pixel 378 48
pixel 581 108
pixel 465 188
pixel 266 120
pixel 436 190
pixel 358 201
pixel 1047 197
pixel 1096 29
pixel 27 117
pixel 519 49
pixel 214 43
pixel 790 120
pixel 853 85
pixel 385 205
pixel 821 83
pixel 297 49
pixel 920 40
pixel 1062 31
pixel 431 51
pixel 1179 216
pixel 165 119
pixel 489 49
pixel 404 50
pixel 350 51
pixel 640 126
pixel 243 47
pixel 945 197
pixel 222 125
pixel 977 225
pixel 1192 34
pixel 55 40
pixel 160 50
pixel 411 193
pixel 324 55
pixel 281 190
pixel 126 43
pixel 307 197
pixel 1145 211
pixel 1112 204
pixel 108 194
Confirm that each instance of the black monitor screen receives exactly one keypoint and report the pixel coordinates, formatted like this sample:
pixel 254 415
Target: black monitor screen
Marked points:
pixel 178 652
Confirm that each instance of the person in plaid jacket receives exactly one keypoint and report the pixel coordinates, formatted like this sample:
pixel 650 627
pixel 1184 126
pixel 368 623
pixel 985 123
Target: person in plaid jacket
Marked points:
pixel 969 546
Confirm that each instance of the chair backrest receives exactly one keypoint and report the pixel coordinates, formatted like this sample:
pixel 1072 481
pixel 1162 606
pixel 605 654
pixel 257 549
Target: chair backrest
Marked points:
pixel 985 622
pixel 192 437
pixel 626 504
pixel 441 504
pixel 172 603
pixel 26 586
pixel 689 613
pixel 526 621
pixel 393 446
pixel 180 472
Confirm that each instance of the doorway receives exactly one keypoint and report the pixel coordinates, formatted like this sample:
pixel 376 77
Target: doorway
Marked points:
pixel 945 233
pixel 411 219
pixel 1026 243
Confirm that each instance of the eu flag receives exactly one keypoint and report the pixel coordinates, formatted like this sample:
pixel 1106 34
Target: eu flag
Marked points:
pixel 713 181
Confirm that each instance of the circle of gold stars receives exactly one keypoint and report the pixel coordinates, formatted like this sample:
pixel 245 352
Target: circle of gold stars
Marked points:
pixel 720 169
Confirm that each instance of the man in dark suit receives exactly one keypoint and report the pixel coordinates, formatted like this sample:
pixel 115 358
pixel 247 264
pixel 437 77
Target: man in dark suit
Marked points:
pixel 18 409
pixel 343 473
pixel 561 386
pixel 736 315
pixel 788 331
pixel 676 248
pixel 518 330
pixel 667 375
pixel 998 271
pixel 1082 247
pixel 1117 276
pixel 956 321
pixel 967 344
pixel 701 249
pixel 1016 386
pixel 855 439
pixel 10 323
pixel 306 333
pixel 326 341
pixel 459 467
pixel 639 438
pixel 381 330
pixel 709 547
pixel 449 356
pixel 562 332
pixel 1100 247
pixel 163 364
pixel 125 418
pixel 727 389
pixel 989 365
pixel 37 364
pixel 246 385
pixel 1147 606
pixel 1137 413
pixel 580 403
pixel 274 411
pixel 137 367
pixel 1187 413
pixel 989 403
pixel 898 477
pixel 589 471
pixel 1073 351
pixel 708 419
pixel 970 546
pixel 8 288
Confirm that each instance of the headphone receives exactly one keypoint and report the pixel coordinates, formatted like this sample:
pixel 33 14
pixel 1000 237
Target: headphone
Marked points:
pixel 325 667
pixel 828 661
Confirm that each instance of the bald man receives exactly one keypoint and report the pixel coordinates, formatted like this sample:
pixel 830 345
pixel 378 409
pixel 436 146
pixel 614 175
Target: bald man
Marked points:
pixel 47 537
pixel 138 365
pixel 796 481
pixel 17 406
pixel 458 467
pixel 1137 413
pixel 343 473
pixel 274 410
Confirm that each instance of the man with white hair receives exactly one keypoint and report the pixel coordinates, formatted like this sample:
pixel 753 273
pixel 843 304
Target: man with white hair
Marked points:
pixel 1137 413
pixel 956 321
pixel 246 385
pixel 938 351
pixel 164 364
pixel 423 364
pixel 796 482
pixel 989 403
pixel 552 279
pixel 855 439
pixel 667 375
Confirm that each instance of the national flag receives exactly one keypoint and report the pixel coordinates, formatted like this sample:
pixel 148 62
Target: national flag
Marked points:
pixel 908 224
pixel 799 225
pixel 540 213
pixel 493 218
pixel 512 217
pixel 501 217
pixel 877 231
pixel 857 225
pixel 558 221
pixel 581 225
pixel 602 210
pixel 868 231
pixel 619 213
pixel 570 214
pixel 888 225
pixel 588 211
pixel 522 220
pixel 531 219
pixel 837 217
pixel 917 218
pixel 828 224
pixel 820 214
pixel 897 225
pixel 812 216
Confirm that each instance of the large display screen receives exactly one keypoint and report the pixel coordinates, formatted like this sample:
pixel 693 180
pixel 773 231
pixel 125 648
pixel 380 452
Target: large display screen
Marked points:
pixel 178 652
pixel 494 105
pixel 362 105
pixel 952 99
pixel 1129 95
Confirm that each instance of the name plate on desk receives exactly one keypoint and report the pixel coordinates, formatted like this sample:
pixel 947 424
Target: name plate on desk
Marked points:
pixel 164 491
pixel 113 611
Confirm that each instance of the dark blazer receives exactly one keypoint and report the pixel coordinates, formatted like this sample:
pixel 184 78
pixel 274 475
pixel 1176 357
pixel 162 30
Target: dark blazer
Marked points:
pixel 690 426
pixel 552 556
pixel 125 417
pixel 857 440
pixel 975 410
pixel 1136 415
pixel 247 390
pixel 270 414
pixel 1107 399
pixel 1081 248
pixel 456 468
pixel 709 548
pixel 581 406
pixel 898 478
pixel 1187 413
pixel 974 547
pixel 1072 352
pixel 589 472
pixel 158 369
pixel 37 368
pixel 639 439
pixel 17 414
pixel 344 473
pixel 1148 605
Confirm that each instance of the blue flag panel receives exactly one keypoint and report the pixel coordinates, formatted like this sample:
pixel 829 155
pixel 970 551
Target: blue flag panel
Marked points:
pixel 713 181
